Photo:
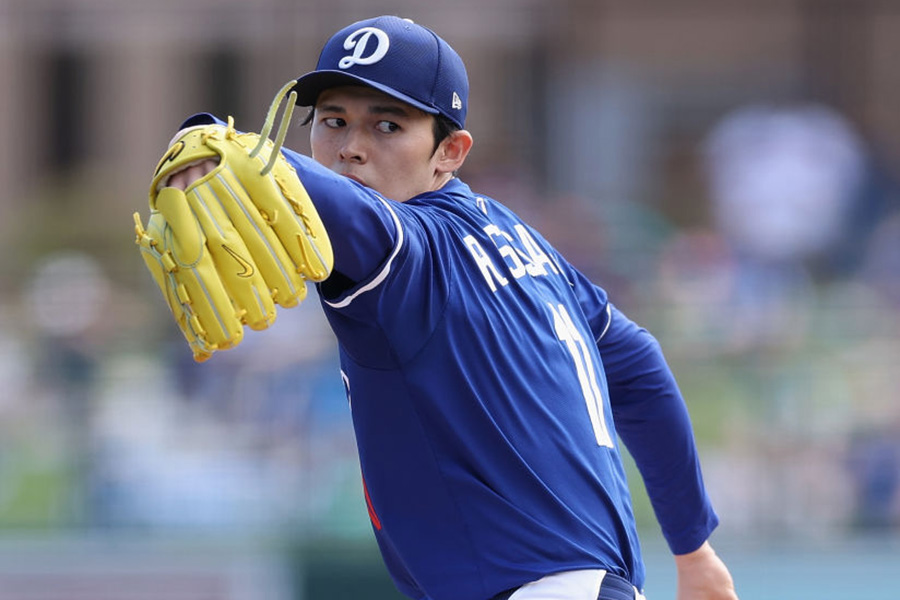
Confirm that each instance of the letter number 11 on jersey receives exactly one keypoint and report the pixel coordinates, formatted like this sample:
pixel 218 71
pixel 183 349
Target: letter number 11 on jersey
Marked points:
pixel 584 367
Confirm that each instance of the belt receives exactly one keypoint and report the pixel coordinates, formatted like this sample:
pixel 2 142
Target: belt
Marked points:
pixel 613 587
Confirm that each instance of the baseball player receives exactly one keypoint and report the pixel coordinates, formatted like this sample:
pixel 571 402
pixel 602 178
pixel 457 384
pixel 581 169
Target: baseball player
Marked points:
pixel 489 380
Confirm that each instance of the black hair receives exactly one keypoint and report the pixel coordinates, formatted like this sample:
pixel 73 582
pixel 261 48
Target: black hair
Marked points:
pixel 442 128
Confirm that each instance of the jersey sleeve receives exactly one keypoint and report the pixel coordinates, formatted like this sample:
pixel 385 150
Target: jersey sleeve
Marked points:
pixel 651 417
pixel 360 227
pixel 653 421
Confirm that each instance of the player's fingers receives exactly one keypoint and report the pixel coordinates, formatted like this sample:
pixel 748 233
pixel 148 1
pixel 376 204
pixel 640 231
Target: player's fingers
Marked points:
pixel 207 166
pixel 179 180
pixel 185 177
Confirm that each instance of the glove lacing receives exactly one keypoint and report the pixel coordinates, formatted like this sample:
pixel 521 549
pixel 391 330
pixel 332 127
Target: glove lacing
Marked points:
pixel 282 126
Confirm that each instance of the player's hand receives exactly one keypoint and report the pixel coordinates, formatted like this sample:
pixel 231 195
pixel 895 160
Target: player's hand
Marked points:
pixel 185 177
pixel 702 575
pixel 232 233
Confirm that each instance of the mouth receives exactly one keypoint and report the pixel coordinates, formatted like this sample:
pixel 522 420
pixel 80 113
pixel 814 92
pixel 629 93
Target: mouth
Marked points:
pixel 354 178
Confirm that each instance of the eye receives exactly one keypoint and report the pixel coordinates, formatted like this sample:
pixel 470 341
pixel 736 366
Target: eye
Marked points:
pixel 387 126
pixel 333 122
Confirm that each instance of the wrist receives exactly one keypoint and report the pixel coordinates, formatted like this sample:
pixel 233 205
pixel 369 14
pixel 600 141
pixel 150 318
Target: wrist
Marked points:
pixel 702 553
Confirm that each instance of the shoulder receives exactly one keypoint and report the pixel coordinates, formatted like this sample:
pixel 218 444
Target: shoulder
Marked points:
pixel 457 198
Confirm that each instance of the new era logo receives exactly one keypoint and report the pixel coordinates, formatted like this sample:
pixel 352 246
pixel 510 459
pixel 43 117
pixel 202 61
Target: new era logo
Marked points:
pixel 456 102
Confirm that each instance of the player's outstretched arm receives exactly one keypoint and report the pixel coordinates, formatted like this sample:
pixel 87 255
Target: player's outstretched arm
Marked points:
pixel 702 575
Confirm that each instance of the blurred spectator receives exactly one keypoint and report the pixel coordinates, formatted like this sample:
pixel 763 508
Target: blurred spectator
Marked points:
pixel 257 439
pixel 881 266
pixel 67 298
pixel 717 302
pixel 783 179
pixel 784 182
pixel 874 464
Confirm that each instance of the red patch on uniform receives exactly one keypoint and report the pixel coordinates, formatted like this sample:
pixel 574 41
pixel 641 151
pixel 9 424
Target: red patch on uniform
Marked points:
pixel 375 521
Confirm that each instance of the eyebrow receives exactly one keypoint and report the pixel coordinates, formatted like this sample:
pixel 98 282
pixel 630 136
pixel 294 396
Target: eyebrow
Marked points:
pixel 392 109
pixel 389 109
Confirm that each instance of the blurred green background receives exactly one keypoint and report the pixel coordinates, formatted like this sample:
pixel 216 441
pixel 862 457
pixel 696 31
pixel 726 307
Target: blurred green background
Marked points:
pixel 726 169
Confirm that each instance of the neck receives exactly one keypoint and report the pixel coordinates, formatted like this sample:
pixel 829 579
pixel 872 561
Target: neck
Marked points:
pixel 441 180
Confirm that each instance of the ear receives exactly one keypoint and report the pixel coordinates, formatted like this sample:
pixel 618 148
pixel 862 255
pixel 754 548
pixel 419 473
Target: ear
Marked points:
pixel 453 150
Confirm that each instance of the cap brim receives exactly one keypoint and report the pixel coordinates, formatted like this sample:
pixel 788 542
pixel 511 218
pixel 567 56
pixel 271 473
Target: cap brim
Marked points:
pixel 312 84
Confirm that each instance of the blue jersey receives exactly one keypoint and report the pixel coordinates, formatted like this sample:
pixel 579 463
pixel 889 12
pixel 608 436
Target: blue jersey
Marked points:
pixel 473 355
pixel 489 382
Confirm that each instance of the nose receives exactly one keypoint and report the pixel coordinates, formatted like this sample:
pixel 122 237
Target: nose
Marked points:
pixel 353 148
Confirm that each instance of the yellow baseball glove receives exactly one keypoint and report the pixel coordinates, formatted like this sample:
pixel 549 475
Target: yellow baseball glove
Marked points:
pixel 237 241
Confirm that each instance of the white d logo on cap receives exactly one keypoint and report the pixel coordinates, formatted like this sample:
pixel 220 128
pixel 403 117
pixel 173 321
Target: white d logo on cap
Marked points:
pixel 358 41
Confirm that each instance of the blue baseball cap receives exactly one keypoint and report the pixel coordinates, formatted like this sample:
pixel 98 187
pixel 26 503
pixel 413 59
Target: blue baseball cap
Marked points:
pixel 395 56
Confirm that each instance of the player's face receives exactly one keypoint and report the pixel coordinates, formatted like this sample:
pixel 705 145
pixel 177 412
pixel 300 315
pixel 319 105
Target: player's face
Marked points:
pixel 378 141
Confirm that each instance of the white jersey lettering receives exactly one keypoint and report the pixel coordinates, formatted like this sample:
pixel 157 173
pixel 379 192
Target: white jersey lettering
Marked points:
pixel 516 268
pixel 538 258
pixel 522 256
pixel 488 268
